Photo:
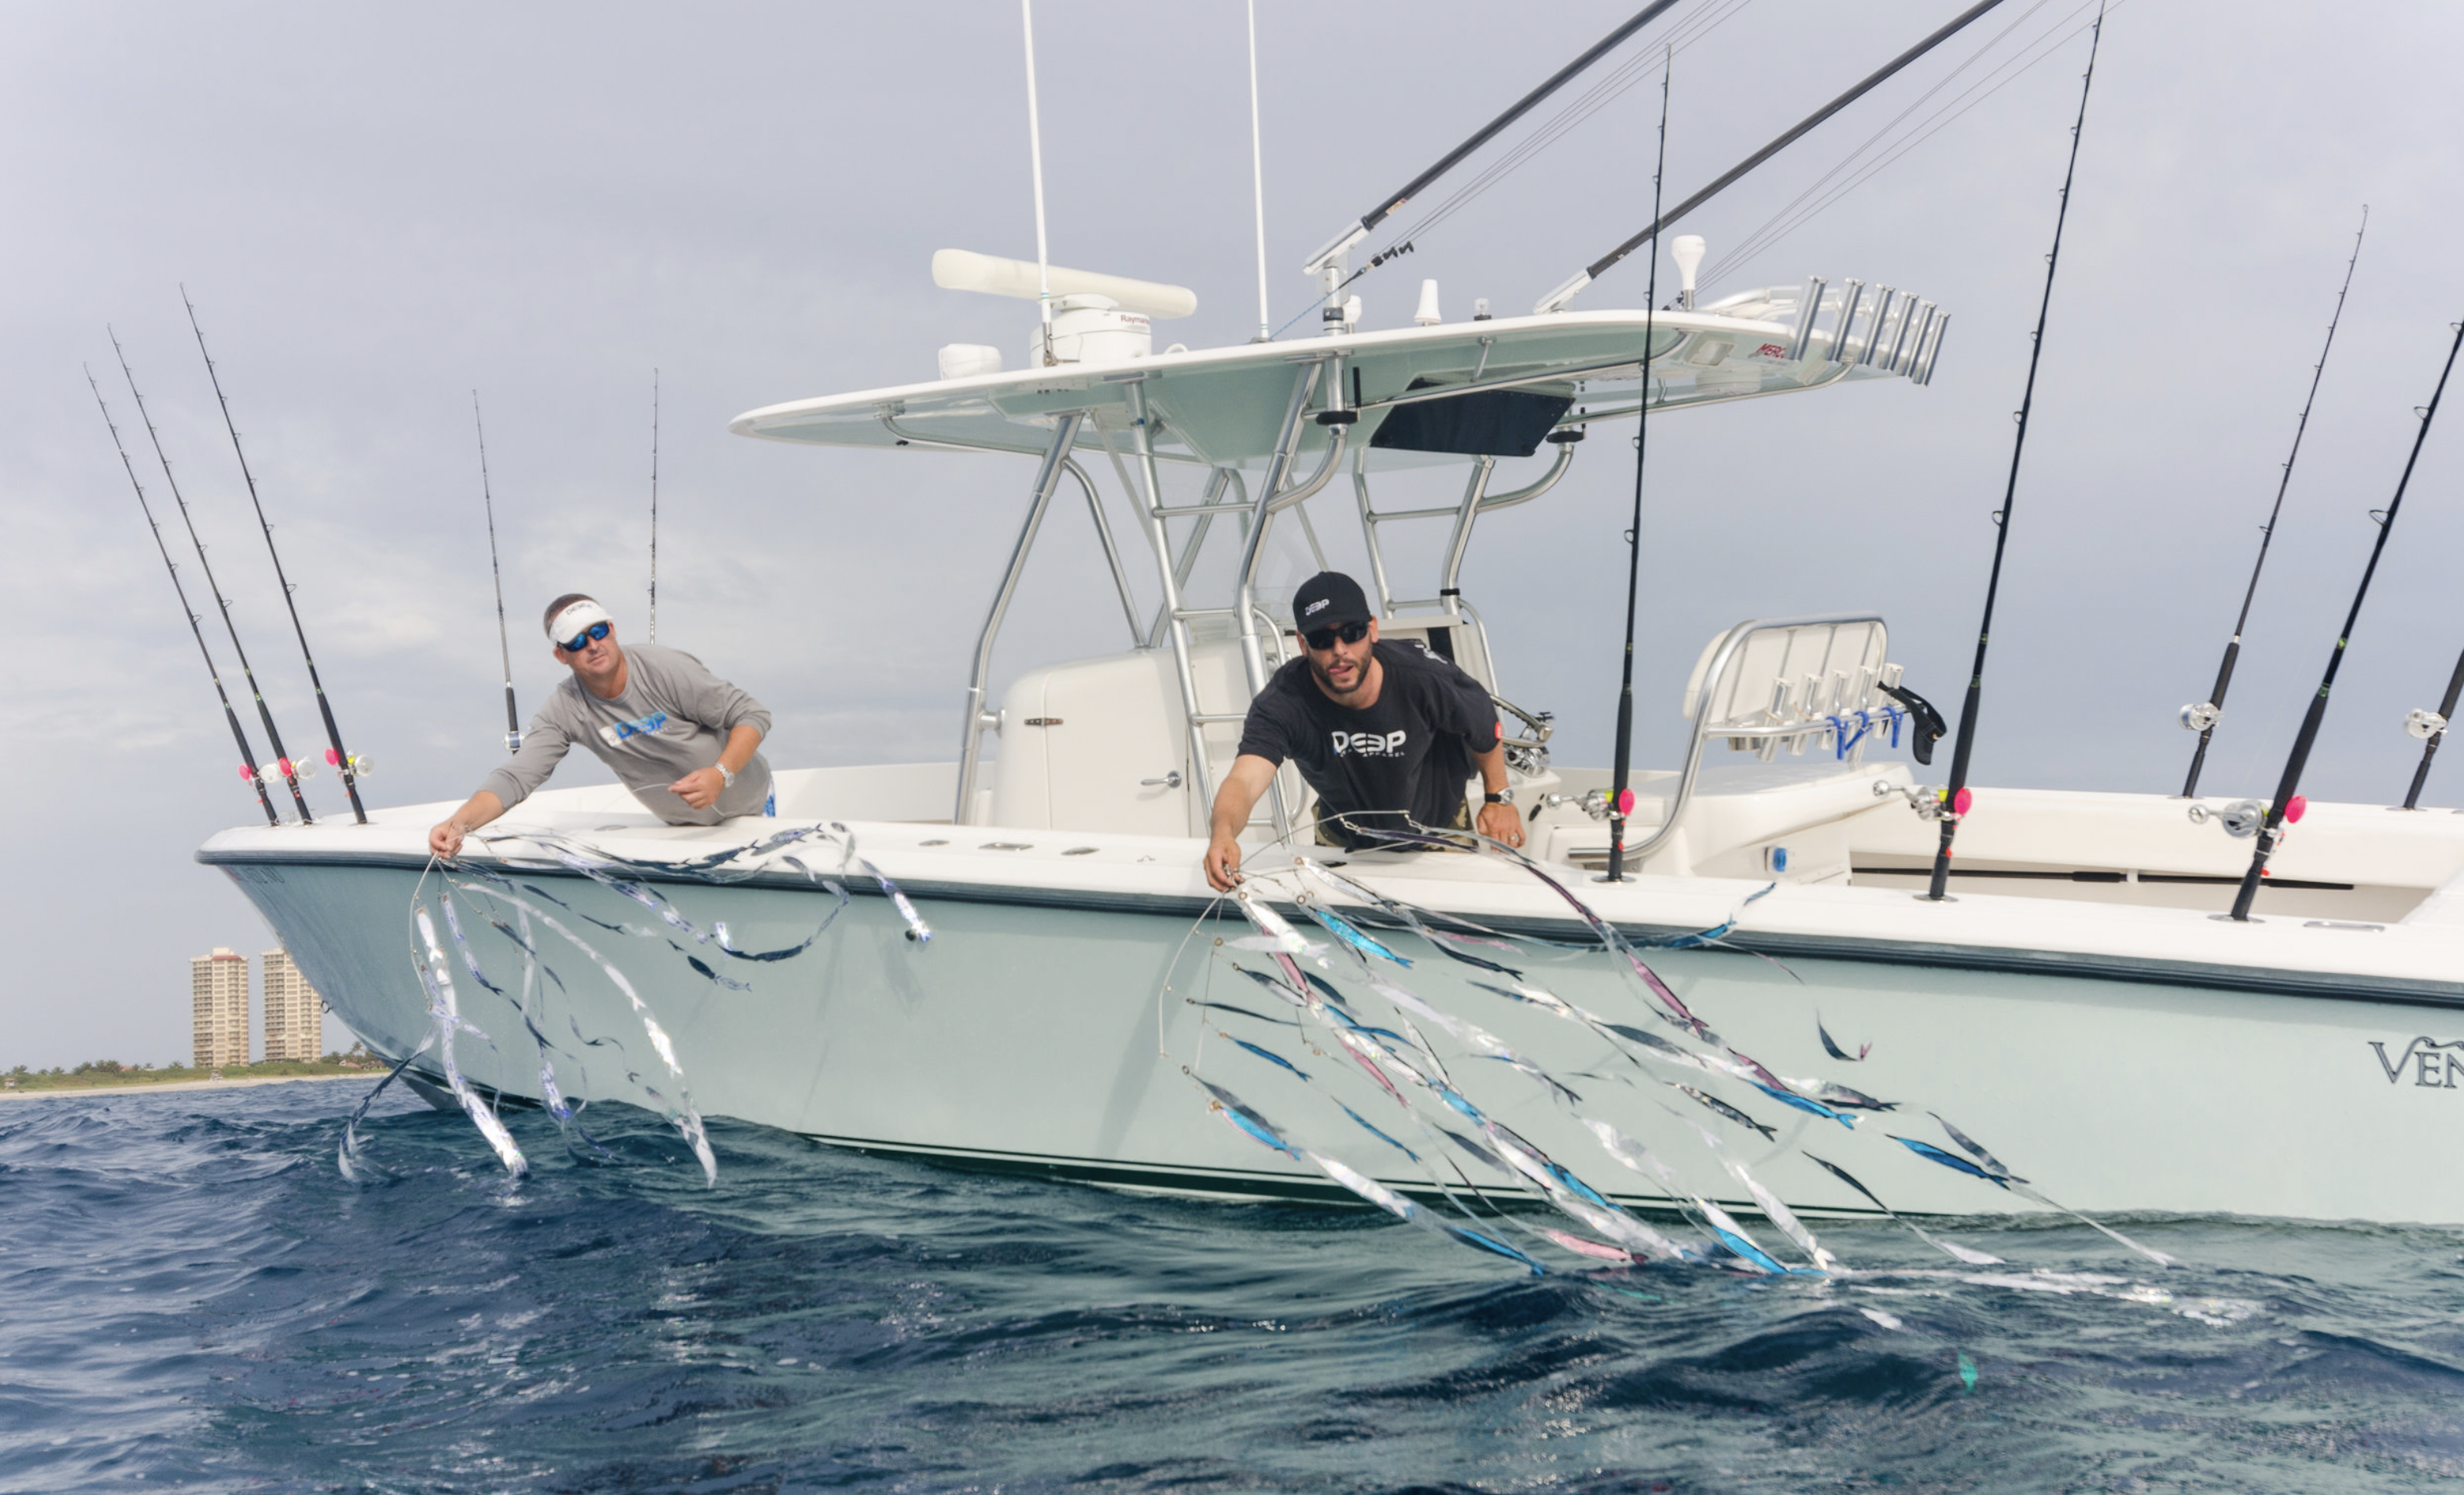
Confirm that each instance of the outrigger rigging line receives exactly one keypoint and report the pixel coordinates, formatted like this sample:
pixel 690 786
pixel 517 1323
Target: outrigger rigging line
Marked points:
pixel 247 759
pixel 2202 718
pixel 282 763
pixel 1560 298
pixel 347 767
pixel 1360 228
pixel 1954 804
pixel 1621 796
pixel 504 648
pixel 2272 829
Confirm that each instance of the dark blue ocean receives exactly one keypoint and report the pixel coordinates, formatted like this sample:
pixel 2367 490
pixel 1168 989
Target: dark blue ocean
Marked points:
pixel 191 1296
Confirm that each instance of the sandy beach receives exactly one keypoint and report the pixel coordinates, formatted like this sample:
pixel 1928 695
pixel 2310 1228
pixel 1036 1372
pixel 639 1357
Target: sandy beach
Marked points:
pixel 186 1085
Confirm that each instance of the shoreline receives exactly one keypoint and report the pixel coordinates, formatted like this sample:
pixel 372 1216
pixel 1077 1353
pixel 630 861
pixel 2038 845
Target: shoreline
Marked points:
pixel 66 1092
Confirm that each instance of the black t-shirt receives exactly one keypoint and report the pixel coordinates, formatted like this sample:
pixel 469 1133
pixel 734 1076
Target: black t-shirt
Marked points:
pixel 1412 751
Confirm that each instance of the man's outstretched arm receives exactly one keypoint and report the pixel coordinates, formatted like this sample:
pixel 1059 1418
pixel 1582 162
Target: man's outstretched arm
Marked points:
pixel 702 787
pixel 444 837
pixel 1248 780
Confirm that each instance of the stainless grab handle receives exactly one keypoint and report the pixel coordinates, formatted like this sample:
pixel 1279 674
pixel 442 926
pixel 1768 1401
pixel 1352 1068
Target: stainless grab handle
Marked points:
pixel 1170 781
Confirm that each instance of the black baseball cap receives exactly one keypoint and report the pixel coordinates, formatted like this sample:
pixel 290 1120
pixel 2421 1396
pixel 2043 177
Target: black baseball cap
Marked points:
pixel 1327 599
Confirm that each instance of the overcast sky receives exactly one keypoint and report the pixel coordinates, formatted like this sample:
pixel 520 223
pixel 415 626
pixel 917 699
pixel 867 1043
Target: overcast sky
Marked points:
pixel 378 209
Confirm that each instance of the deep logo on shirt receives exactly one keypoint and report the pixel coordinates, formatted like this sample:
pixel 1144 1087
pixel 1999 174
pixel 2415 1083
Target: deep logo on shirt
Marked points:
pixel 1370 744
pixel 615 732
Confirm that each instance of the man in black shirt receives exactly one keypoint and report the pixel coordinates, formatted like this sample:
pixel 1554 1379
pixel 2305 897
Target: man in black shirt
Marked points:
pixel 1387 734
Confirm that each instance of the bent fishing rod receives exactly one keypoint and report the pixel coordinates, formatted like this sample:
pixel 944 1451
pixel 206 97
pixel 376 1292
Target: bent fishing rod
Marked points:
pixel 1620 799
pixel 1360 228
pixel 283 762
pixel 504 648
pixel 1954 803
pixel 2202 718
pixel 2272 829
pixel 1560 298
pixel 344 764
pixel 247 768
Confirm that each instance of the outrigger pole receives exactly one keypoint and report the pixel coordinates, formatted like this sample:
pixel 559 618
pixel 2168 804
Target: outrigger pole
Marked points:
pixel 2202 718
pixel 1954 803
pixel 2272 829
pixel 1559 298
pixel 264 714
pixel 247 759
pixel 654 537
pixel 344 764
pixel 504 648
pixel 1620 797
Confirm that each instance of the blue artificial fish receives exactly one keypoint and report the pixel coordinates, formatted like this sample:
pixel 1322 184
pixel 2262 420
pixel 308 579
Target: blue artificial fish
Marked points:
pixel 1974 1150
pixel 1380 1136
pixel 1831 1046
pixel 1342 929
pixel 1812 1108
pixel 1266 1054
pixel 1837 1095
pixel 1723 1108
pixel 1474 1238
pixel 1247 1121
pixel 703 967
pixel 1737 1242
pixel 1950 1160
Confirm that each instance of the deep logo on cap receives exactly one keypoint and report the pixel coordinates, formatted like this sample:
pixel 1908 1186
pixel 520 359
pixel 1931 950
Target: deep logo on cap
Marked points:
pixel 1318 606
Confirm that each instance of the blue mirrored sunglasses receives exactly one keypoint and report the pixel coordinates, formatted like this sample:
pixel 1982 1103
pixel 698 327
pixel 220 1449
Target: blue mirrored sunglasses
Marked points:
pixel 589 635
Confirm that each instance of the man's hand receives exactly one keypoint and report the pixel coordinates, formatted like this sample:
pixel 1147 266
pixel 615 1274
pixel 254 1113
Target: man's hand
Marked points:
pixel 699 789
pixel 445 839
pixel 1500 823
pixel 1222 863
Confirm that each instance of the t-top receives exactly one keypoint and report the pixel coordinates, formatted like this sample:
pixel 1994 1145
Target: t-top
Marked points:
pixel 672 717
pixel 1412 751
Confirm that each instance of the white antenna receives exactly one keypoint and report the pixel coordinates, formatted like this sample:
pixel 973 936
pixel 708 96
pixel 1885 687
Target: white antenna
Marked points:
pixel 1258 178
pixel 1035 147
pixel 654 503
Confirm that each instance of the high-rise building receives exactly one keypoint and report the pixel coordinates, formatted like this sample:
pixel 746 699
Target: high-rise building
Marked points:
pixel 295 1015
pixel 218 994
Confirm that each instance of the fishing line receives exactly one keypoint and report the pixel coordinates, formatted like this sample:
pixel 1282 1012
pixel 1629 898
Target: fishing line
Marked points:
pixel 1782 223
pixel 2279 810
pixel 346 766
pixel 2202 718
pixel 247 759
pixel 1950 114
pixel 1621 796
pixel 1954 804
pixel 282 764
pixel 504 646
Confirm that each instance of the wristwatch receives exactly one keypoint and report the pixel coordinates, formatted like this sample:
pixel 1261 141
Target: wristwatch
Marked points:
pixel 728 780
pixel 1505 795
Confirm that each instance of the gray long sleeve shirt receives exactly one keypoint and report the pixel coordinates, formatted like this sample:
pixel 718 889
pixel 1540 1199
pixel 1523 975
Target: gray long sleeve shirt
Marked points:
pixel 672 717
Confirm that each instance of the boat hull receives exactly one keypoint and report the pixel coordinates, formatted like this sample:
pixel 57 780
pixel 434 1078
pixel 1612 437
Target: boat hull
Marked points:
pixel 1051 1029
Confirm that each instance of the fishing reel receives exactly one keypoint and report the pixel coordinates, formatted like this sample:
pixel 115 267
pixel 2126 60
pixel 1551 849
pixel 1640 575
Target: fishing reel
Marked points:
pixel 512 742
pixel 1527 754
pixel 1594 803
pixel 281 769
pixel 1923 798
pixel 2202 716
pixel 2422 724
pixel 356 765
pixel 2243 818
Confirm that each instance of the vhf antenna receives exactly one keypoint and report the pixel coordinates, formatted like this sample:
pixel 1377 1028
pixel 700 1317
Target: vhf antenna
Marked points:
pixel 504 648
pixel 2202 718
pixel 348 767
pixel 282 763
pixel 247 768
pixel 654 516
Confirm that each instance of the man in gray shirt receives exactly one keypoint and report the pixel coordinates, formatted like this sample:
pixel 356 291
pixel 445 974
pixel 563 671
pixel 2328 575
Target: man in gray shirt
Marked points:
pixel 680 737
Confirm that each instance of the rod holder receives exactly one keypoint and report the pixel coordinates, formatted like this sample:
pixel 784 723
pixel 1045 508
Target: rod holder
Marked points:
pixel 1806 308
pixel 1851 292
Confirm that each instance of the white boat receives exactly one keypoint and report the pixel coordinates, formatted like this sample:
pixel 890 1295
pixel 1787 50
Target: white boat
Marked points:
pixel 2078 1006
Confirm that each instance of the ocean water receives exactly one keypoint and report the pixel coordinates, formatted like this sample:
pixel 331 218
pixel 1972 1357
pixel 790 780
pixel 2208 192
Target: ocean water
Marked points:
pixel 190 1296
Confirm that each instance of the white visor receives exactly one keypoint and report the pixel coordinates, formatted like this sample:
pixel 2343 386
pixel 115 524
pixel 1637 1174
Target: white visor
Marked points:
pixel 569 623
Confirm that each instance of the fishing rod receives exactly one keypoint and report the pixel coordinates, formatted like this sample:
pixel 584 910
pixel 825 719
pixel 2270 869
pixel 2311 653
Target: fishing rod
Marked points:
pixel 1560 298
pixel 1360 228
pixel 1954 801
pixel 654 514
pixel 290 771
pixel 1620 797
pixel 247 768
pixel 2287 805
pixel 504 648
pixel 2202 718
pixel 348 767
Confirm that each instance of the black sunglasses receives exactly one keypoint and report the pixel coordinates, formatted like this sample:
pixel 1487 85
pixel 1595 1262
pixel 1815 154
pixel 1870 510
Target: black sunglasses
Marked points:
pixel 589 635
pixel 1323 639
